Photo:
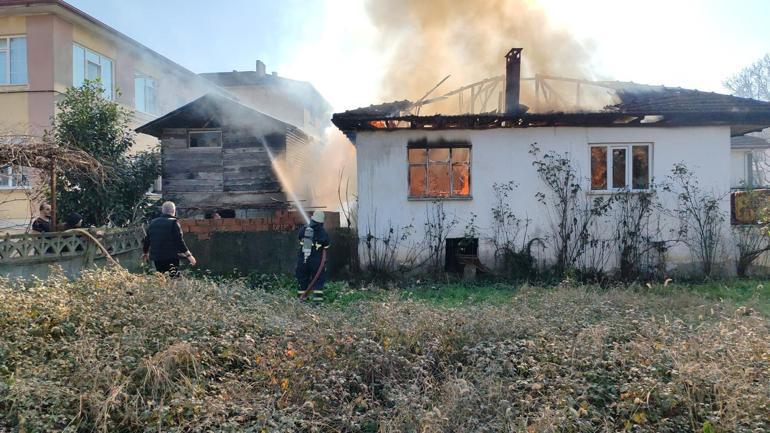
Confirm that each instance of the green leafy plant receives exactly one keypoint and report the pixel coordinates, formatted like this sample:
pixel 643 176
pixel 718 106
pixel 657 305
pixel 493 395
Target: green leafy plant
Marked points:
pixel 87 121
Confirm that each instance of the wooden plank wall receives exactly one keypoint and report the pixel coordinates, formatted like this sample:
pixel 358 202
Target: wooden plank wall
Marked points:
pixel 237 175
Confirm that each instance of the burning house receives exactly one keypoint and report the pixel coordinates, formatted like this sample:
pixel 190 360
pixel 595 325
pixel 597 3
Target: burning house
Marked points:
pixel 221 155
pixel 408 162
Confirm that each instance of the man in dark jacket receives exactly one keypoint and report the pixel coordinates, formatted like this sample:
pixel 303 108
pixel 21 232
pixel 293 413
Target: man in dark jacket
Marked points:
pixel 164 243
pixel 311 259
pixel 42 224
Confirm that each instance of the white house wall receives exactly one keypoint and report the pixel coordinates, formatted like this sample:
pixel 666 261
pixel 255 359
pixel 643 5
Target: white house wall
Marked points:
pixel 502 155
pixel 737 168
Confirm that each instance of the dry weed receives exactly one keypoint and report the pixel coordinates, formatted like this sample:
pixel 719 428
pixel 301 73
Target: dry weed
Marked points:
pixel 118 352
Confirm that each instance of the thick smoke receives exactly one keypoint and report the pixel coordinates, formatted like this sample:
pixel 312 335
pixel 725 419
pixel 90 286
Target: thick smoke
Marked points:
pixel 333 172
pixel 428 40
pixel 425 41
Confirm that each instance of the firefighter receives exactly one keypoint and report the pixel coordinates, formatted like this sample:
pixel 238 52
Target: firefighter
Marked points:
pixel 311 259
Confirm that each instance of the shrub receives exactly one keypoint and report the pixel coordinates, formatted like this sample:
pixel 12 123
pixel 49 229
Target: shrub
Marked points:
pixel 699 215
pixel 113 351
pixel 572 214
pixel 85 120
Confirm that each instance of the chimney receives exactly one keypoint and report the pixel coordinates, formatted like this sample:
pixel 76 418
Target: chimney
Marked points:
pixel 260 68
pixel 512 80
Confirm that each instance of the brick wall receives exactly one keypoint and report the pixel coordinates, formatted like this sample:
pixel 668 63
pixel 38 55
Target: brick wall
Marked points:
pixel 281 221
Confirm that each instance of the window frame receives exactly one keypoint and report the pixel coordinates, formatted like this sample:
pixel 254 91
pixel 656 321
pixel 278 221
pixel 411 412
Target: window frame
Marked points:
pixel 7 65
pixel 86 50
pixel 16 178
pixel 628 146
pixel 424 144
pixel 192 131
pixel 140 75
pixel 752 177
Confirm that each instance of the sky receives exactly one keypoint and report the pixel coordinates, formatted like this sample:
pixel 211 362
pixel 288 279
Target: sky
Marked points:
pixel 332 43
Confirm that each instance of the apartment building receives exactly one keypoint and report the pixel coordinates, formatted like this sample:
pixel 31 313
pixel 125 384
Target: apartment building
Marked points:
pixel 295 102
pixel 47 46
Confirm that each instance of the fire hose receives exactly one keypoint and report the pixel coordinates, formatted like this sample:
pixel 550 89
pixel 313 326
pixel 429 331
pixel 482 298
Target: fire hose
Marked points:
pixel 95 241
pixel 309 288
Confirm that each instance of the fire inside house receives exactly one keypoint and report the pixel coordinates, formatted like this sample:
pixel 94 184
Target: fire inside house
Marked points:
pixel 409 162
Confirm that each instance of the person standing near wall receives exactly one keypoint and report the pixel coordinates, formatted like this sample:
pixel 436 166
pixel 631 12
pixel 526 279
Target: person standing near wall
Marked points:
pixel 164 244
pixel 311 259
pixel 42 224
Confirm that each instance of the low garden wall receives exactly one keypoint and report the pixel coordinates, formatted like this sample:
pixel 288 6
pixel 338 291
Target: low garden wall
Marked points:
pixel 267 244
pixel 36 255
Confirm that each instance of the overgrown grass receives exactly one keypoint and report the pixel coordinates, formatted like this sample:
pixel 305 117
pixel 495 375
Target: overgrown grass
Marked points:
pixel 750 292
pixel 115 352
pixel 342 294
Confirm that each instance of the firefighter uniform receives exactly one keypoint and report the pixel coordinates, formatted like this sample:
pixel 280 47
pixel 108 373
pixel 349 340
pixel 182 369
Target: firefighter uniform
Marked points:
pixel 312 265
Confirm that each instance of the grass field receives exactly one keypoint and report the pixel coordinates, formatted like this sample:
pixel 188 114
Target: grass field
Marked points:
pixel 119 352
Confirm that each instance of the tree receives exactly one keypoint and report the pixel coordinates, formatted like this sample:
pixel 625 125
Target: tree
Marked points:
pixel 87 121
pixel 752 81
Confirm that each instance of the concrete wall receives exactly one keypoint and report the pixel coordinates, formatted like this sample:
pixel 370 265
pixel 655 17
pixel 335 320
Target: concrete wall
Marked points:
pixel 266 245
pixel 501 155
pixel 72 266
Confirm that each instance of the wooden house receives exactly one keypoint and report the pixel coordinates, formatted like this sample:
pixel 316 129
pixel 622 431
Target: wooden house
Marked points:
pixel 216 156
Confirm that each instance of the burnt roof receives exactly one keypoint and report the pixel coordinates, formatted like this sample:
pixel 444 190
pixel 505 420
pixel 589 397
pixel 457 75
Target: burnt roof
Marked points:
pixel 215 111
pixel 639 105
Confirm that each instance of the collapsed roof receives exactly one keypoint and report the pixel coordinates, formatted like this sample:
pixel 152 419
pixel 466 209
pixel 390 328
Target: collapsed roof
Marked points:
pixel 616 104
pixel 637 105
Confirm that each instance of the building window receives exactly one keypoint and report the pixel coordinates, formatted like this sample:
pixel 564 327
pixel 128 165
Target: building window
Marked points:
pixel 13 60
pixel 756 168
pixel 439 171
pixel 12 178
pixel 205 139
pixel 145 94
pixel 88 65
pixel 617 167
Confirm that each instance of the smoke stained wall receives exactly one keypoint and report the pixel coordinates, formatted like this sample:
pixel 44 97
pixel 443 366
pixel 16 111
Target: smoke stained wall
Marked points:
pixel 428 40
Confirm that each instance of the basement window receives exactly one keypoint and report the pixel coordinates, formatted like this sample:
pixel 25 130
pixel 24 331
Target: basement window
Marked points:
pixel 441 170
pixel 199 139
pixel 618 167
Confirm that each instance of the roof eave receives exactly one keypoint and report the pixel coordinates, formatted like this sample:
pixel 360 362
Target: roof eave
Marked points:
pixel 740 122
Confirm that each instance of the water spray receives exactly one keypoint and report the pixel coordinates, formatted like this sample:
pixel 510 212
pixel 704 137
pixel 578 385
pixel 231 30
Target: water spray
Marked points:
pixel 285 182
